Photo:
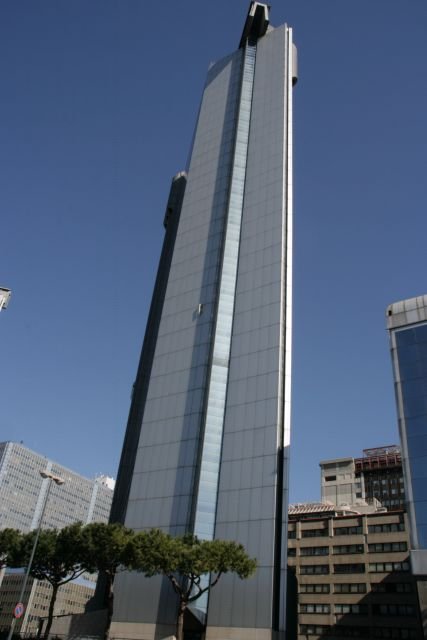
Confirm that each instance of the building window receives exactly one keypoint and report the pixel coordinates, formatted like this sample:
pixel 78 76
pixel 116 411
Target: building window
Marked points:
pixel 393 632
pixel 349 548
pixel 357 609
pixel 386 528
pixel 349 568
pixel 314 588
pixel 313 533
pixel 292 534
pixel 330 478
pixel 314 551
pixel 391 587
pixel 314 569
pixel 393 609
pixel 348 531
pixel 350 587
pixel 387 547
pixel 313 629
pixel 314 608
pixel 292 552
pixel 388 567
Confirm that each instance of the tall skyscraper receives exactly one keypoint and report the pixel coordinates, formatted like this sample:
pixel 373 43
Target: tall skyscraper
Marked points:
pixel 206 447
pixel 407 325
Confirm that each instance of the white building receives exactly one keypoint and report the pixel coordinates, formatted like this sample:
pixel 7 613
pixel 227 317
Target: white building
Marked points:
pixel 22 495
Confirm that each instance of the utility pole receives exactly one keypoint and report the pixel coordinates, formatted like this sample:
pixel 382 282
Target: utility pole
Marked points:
pixel 57 480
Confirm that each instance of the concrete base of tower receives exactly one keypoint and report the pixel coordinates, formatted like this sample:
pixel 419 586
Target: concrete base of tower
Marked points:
pixel 141 631
pixel 237 633
pixel 145 631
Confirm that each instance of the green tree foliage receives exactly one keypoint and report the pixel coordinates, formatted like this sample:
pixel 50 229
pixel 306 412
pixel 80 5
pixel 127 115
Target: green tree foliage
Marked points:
pixel 58 559
pixel 184 561
pixel 10 540
pixel 105 547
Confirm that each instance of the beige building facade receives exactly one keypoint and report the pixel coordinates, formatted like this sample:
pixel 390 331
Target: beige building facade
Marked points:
pixel 72 598
pixel 352 576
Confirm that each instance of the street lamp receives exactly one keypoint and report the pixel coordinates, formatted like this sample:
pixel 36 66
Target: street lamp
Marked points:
pixel 57 480
pixel 4 297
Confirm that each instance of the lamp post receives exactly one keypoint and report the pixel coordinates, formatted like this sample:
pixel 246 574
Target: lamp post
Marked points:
pixel 57 480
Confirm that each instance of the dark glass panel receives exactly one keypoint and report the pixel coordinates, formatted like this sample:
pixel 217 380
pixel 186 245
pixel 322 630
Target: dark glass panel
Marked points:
pixel 417 445
pixel 420 333
pixel 414 405
pixel 421 511
pixel 415 388
pixel 407 354
pixel 418 467
pixel 405 337
pixel 422 536
pixel 416 426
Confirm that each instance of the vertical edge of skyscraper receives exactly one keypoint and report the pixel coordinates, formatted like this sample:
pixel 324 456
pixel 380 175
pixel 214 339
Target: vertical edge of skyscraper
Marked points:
pixel 207 444
pixel 407 325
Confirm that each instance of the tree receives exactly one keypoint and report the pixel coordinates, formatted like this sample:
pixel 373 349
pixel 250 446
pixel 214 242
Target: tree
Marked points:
pixel 185 561
pixel 105 548
pixel 9 543
pixel 58 559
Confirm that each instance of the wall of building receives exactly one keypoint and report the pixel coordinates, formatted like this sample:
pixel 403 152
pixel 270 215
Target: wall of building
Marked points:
pixel 22 492
pixel 22 495
pixel 353 576
pixel 191 387
pixel 72 598
pixel 377 476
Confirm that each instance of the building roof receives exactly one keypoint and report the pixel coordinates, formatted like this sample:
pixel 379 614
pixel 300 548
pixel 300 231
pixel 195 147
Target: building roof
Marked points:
pixel 312 507
pixel 406 312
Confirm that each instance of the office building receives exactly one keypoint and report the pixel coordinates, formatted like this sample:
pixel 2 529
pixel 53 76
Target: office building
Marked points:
pixel 206 448
pixel 72 599
pixel 407 325
pixel 22 495
pixel 350 574
pixel 22 492
pixel 376 476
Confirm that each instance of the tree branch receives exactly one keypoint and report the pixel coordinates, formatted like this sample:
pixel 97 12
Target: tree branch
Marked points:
pixel 213 583
pixel 197 595
pixel 175 584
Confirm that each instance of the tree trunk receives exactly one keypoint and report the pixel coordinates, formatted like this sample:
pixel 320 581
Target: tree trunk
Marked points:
pixel 180 621
pixel 55 588
pixel 110 604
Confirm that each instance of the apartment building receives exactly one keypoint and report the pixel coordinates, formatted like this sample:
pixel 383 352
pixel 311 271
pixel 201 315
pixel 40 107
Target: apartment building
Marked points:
pixel 23 494
pixel 377 475
pixel 352 576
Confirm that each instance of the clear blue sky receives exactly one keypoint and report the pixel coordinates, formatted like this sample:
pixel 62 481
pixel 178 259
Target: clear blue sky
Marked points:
pixel 97 109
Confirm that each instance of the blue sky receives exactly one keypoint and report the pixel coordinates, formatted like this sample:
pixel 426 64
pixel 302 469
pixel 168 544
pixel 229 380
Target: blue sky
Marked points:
pixel 97 109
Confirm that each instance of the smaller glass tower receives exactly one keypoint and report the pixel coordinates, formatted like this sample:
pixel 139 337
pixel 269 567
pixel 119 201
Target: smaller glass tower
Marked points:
pixel 407 325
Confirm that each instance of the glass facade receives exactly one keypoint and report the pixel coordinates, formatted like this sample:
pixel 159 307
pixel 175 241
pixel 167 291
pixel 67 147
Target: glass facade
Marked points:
pixel 204 525
pixel 411 362
pixel 217 390
pixel 23 491
pixel 213 425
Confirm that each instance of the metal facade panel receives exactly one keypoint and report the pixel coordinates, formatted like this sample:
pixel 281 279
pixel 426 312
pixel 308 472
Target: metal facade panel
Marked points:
pixel 251 442
pixel 248 478
pixel 161 493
